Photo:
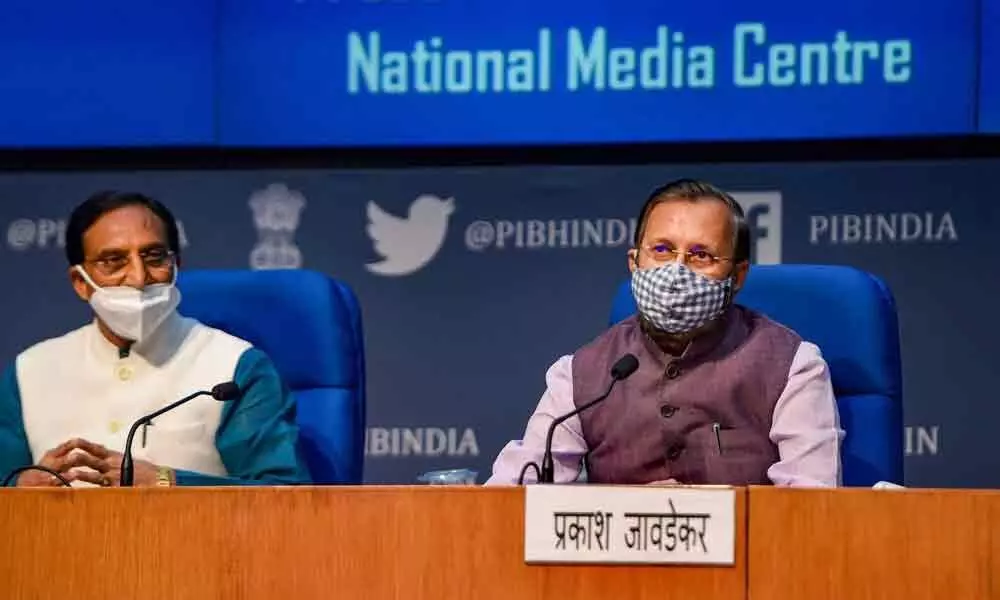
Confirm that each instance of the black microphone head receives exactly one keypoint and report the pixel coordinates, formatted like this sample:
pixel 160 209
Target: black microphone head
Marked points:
pixel 624 367
pixel 226 391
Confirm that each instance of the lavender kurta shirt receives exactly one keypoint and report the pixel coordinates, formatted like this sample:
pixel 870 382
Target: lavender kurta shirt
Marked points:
pixel 805 427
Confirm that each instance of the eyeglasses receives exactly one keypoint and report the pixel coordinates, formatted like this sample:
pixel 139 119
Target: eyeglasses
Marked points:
pixel 697 258
pixel 155 259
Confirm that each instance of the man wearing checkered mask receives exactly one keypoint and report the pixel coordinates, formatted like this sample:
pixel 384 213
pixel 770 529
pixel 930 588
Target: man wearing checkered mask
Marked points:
pixel 722 394
pixel 681 291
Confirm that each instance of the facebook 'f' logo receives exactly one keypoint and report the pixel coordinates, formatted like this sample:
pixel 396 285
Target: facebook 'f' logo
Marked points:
pixel 763 214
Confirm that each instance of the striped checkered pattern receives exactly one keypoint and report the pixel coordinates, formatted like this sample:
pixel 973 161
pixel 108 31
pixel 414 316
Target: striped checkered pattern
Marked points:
pixel 675 299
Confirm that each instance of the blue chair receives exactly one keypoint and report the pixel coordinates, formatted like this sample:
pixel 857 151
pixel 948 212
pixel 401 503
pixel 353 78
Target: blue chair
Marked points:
pixel 310 326
pixel 851 316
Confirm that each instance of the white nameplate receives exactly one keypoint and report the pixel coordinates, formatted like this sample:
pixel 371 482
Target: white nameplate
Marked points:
pixel 629 524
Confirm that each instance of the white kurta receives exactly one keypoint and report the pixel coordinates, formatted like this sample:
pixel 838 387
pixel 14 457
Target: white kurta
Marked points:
pixel 77 385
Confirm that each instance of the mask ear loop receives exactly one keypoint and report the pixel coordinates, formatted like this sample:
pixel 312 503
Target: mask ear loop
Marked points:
pixel 86 277
pixel 733 290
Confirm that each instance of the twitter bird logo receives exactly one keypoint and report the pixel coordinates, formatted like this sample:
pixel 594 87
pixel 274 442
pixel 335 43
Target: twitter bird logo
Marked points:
pixel 407 244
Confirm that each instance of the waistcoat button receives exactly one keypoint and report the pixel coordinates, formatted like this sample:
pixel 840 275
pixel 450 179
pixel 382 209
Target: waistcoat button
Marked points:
pixel 673 370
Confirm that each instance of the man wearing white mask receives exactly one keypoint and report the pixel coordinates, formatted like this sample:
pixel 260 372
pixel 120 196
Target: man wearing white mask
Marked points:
pixel 722 394
pixel 67 403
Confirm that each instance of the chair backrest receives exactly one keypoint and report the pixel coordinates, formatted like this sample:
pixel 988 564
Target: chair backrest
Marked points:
pixel 851 316
pixel 310 326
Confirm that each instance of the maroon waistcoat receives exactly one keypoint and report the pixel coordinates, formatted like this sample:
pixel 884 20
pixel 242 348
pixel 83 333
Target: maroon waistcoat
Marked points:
pixel 660 423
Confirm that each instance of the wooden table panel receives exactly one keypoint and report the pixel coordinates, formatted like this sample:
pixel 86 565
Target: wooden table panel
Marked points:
pixel 309 542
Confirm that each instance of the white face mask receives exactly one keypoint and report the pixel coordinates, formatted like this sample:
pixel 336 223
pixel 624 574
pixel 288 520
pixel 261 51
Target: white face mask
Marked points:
pixel 131 313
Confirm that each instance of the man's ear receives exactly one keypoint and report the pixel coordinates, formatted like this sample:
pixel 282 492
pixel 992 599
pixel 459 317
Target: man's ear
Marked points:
pixel 740 275
pixel 80 285
pixel 633 257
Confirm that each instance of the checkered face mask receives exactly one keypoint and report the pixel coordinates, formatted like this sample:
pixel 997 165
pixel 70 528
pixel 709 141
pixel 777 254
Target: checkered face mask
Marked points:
pixel 675 299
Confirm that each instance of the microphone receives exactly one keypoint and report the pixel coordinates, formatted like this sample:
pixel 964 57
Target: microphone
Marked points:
pixel 622 369
pixel 221 392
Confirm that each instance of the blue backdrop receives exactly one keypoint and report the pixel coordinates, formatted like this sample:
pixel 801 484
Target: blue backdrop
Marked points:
pixel 431 72
pixel 424 73
pixel 989 101
pixel 495 272
pixel 106 72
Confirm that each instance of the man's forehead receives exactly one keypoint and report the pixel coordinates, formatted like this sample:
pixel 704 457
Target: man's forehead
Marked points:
pixel 127 225
pixel 703 213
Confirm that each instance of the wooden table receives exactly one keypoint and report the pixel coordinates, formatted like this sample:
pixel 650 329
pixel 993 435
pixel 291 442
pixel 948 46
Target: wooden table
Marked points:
pixel 859 544
pixel 289 543
pixel 467 543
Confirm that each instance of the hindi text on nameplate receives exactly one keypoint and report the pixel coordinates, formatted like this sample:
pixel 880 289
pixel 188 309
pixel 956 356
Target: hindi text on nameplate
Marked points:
pixel 624 524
